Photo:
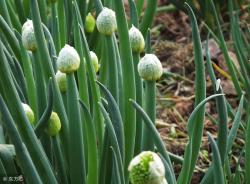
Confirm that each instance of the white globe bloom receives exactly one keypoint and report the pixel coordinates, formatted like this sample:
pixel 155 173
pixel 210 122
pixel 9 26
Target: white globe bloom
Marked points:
pixel 68 60
pixel 28 36
pixel 136 40
pixel 106 21
pixel 147 168
pixel 150 68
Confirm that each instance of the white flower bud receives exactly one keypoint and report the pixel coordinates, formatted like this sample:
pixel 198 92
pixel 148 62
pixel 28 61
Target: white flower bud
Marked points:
pixel 61 80
pixel 94 60
pixel 150 68
pixel 136 40
pixel 54 124
pixel 68 60
pixel 106 22
pixel 89 23
pixel 29 113
pixel 28 36
pixel 147 168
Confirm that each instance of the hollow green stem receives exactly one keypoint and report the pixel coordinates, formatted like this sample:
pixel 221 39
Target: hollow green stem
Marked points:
pixel 139 95
pixel 128 83
pixel 61 22
pixel 60 160
pixel 40 85
pixel 247 147
pixel 92 148
pixel 150 88
pixel 112 64
pixel 76 153
pixel 148 16
pixel 5 13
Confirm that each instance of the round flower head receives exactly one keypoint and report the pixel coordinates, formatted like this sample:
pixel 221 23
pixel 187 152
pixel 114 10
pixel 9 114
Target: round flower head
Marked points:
pixel 61 81
pixel 94 60
pixel 150 68
pixel 68 60
pixel 136 40
pixel 54 124
pixel 28 36
pixel 89 23
pixel 29 113
pixel 147 168
pixel 106 21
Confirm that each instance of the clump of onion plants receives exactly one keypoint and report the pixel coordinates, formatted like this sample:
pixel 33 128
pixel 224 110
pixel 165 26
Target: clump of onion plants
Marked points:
pixel 78 97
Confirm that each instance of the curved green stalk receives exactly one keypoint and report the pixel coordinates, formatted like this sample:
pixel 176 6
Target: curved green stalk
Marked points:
pixel 139 6
pixel 218 167
pixel 94 89
pixel 42 123
pixel 53 51
pixel 43 10
pixel 20 77
pixel 222 113
pixel 116 118
pixel 139 93
pixel 148 16
pixel 114 143
pixel 5 13
pixel 224 49
pixel 40 84
pixel 133 13
pixel 10 36
pixel 2 170
pixel 247 154
pixel 82 73
pixel 92 147
pixel 14 19
pixel 128 83
pixel 112 64
pixel 76 153
pixel 20 11
pixel 60 160
pixel 55 27
pixel 26 7
pixel 61 22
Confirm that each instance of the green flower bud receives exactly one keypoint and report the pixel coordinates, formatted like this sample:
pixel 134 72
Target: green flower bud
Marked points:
pixel 150 68
pixel 89 23
pixel 94 60
pixel 106 22
pixel 136 40
pixel 54 124
pixel 28 36
pixel 29 113
pixel 61 81
pixel 68 60
pixel 147 168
